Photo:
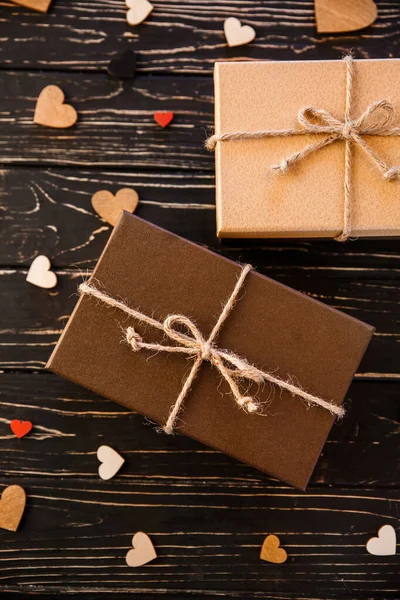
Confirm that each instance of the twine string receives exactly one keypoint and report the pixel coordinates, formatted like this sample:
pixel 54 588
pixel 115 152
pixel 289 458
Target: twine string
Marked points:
pixel 377 120
pixel 232 368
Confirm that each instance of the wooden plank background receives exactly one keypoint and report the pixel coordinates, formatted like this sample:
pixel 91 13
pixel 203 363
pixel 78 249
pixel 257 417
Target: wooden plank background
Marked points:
pixel 206 513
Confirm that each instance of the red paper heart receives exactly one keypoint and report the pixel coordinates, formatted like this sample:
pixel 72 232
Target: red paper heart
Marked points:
pixel 20 428
pixel 163 118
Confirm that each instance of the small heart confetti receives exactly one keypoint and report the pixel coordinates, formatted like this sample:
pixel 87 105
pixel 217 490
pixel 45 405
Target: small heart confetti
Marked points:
pixel 109 207
pixel 111 462
pixel 271 552
pixel 39 273
pixel 163 118
pixel 51 111
pixel 237 34
pixel 20 428
pixel 138 11
pixel 143 550
pixel 123 66
pixel 384 544
pixel 12 506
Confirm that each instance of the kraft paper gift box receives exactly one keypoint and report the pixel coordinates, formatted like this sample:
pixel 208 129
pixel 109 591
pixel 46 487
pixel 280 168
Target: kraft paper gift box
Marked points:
pixel 273 327
pixel 308 200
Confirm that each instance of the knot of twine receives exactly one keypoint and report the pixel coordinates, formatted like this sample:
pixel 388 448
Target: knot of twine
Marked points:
pixel 190 340
pixel 377 120
pixel 195 345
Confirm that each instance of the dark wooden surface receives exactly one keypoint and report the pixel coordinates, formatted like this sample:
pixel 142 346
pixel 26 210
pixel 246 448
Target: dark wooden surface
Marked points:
pixel 206 513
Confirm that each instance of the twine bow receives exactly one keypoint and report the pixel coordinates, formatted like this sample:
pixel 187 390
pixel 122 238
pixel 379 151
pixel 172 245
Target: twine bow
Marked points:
pixel 190 340
pixel 195 345
pixel 377 120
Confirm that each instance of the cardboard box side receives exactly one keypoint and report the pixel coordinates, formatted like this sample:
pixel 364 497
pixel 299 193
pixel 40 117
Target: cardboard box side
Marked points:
pixel 217 117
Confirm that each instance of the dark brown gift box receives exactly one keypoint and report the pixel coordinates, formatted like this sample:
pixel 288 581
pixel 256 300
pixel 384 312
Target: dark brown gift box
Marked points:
pixel 273 327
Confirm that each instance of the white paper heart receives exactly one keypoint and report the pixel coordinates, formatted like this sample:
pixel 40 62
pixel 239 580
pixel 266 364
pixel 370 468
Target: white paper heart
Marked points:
pixel 111 462
pixel 142 552
pixel 39 273
pixel 384 544
pixel 237 34
pixel 138 11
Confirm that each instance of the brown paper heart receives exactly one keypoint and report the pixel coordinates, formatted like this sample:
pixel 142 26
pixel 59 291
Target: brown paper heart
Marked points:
pixel 142 552
pixel 109 207
pixel 38 5
pixel 271 552
pixel 12 505
pixel 335 16
pixel 51 110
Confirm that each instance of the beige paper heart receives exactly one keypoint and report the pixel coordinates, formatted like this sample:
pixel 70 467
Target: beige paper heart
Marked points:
pixel 335 16
pixel 111 462
pixel 51 111
pixel 271 552
pixel 237 34
pixel 39 273
pixel 109 207
pixel 38 5
pixel 143 550
pixel 138 11
pixel 12 506
pixel 384 544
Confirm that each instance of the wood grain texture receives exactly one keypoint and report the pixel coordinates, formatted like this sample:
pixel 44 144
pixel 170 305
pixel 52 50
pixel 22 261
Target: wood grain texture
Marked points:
pixel 179 37
pixel 116 127
pixel 48 210
pixel 206 513
pixel 88 528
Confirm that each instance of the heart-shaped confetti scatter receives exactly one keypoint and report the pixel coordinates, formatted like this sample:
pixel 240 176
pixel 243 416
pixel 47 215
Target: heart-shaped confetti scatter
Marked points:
pixel 20 428
pixel 123 66
pixel 12 505
pixel 138 11
pixel 111 462
pixel 163 118
pixel 109 207
pixel 271 552
pixel 38 5
pixel 384 544
pixel 237 34
pixel 39 273
pixel 143 550
pixel 335 16
pixel 51 111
